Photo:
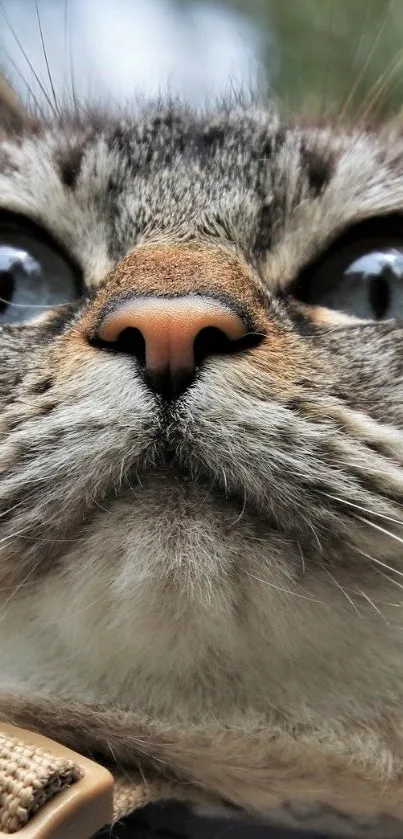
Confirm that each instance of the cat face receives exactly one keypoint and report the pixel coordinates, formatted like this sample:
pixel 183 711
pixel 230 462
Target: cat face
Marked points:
pixel 191 542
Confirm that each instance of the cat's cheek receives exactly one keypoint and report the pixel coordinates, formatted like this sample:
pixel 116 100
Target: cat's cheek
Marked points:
pixel 282 369
pixel 72 358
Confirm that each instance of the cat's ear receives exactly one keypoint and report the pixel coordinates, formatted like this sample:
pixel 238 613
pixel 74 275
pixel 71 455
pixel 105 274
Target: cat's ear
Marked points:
pixel 13 116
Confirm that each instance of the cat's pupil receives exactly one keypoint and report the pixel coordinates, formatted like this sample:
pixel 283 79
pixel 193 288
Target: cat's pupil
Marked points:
pixel 379 295
pixel 6 289
pixel 362 281
pixel 381 271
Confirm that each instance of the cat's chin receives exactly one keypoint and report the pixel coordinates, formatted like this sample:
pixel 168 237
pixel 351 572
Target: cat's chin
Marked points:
pixel 175 480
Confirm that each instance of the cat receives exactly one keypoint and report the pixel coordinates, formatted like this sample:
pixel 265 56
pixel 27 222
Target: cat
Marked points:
pixel 201 447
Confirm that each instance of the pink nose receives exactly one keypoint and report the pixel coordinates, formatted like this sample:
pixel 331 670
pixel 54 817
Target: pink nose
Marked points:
pixel 172 335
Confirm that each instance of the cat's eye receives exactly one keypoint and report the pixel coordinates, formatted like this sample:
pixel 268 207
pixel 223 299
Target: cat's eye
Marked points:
pixel 34 275
pixel 360 276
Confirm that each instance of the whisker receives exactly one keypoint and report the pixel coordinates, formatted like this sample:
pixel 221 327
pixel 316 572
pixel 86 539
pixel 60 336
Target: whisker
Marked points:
pixel 363 30
pixel 24 80
pixel 381 529
pixel 255 335
pixel 100 505
pixel 37 539
pixel 380 602
pixel 9 303
pixel 379 88
pixel 68 52
pixel 364 68
pixel 12 535
pixel 285 590
pixel 302 558
pixel 10 509
pixel 132 490
pixel 379 562
pixel 31 584
pixel 363 509
pixel 371 603
pixel 394 583
pixel 350 600
pixel 324 86
pixel 29 62
pixel 313 530
pixel 359 467
pixel 238 518
pixel 45 55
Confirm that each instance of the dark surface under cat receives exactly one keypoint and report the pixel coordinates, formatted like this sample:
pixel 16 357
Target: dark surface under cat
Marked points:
pixel 175 821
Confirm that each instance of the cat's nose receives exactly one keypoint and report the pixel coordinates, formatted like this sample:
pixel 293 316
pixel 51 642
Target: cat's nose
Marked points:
pixel 170 337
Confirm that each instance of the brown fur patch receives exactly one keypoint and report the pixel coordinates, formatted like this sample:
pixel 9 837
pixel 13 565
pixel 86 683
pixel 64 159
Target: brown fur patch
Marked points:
pixel 177 270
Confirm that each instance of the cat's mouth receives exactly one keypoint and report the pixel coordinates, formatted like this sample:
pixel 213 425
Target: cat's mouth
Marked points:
pixel 172 470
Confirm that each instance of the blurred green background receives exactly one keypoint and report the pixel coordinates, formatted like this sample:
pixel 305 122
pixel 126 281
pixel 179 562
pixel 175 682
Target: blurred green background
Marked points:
pixel 334 53
pixel 325 56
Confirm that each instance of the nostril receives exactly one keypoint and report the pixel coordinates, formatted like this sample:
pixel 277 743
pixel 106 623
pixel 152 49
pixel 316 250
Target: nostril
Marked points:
pixel 170 337
pixel 130 341
pixel 213 341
